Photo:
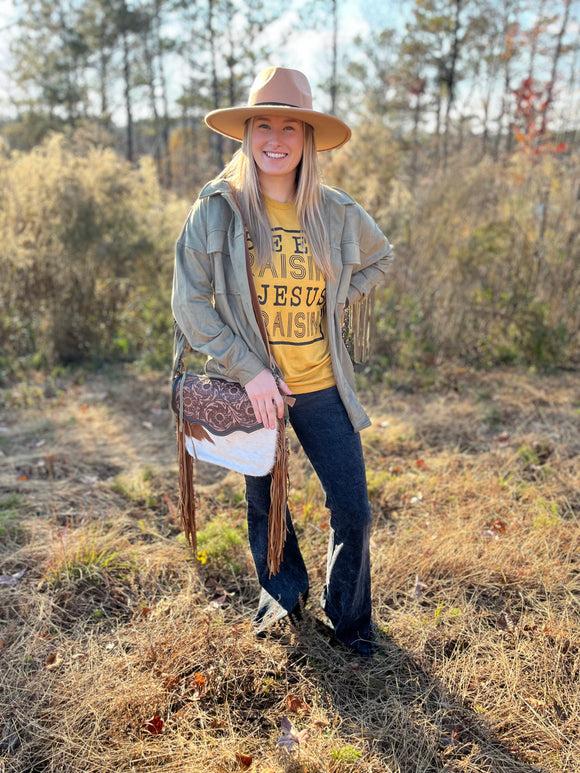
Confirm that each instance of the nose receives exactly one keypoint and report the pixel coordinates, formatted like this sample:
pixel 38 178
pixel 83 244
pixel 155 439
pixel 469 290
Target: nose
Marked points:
pixel 277 136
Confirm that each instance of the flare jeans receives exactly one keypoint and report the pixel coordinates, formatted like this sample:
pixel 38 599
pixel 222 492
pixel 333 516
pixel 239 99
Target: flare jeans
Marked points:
pixel 334 449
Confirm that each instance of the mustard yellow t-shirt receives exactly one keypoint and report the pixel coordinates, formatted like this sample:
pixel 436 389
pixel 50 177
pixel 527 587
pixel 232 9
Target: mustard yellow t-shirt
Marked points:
pixel 292 295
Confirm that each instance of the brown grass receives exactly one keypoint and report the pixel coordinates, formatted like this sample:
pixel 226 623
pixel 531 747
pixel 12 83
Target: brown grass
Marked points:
pixel 476 583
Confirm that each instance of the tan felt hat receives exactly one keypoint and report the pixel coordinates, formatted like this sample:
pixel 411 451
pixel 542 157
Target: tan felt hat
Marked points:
pixel 280 91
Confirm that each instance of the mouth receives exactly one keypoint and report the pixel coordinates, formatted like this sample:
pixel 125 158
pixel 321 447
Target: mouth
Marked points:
pixel 271 154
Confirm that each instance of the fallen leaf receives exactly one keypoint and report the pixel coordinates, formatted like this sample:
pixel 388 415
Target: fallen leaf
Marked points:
pixel 218 589
pixel 217 603
pixel 12 579
pixel 421 464
pixel 505 621
pixel 245 760
pixel 290 738
pixel 154 726
pixel 295 704
pixel 199 685
pixel 53 661
pixel 198 680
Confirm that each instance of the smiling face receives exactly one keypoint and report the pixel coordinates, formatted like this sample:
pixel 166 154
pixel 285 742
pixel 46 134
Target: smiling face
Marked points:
pixel 277 145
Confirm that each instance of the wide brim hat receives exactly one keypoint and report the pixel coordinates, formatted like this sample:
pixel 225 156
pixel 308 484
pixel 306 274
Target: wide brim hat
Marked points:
pixel 280 91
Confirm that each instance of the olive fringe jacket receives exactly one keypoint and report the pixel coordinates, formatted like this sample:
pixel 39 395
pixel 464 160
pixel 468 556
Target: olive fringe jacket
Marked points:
pixel 211 299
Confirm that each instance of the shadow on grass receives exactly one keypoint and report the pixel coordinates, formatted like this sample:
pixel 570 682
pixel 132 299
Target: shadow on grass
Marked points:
pixel 406 718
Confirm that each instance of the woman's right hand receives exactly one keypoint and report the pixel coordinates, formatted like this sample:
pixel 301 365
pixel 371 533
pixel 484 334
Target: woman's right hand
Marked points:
pixel 267 402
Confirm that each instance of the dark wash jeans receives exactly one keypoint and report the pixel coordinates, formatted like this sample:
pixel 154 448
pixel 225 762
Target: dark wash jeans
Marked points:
pixel 334 449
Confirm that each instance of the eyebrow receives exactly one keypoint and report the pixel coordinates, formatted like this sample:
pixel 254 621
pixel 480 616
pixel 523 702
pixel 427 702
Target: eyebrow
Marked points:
pixel 266 118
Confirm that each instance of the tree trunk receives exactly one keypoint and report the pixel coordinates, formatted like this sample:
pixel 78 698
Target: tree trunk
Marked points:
pixel 127 90
pixel 150 72
pixel 167 170
pixel 217 138
pixel 507 88
pixel 554 74
pixel 450 79
pixel 334 76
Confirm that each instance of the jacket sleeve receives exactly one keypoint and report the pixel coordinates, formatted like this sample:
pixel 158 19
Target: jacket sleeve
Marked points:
pixel 376 255
pixel 192 302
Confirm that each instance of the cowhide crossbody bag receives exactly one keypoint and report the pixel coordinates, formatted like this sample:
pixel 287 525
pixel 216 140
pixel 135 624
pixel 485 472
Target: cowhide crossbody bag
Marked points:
pixel 221 426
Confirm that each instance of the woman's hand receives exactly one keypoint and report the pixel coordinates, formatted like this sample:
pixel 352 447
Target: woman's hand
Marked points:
pixel 267 402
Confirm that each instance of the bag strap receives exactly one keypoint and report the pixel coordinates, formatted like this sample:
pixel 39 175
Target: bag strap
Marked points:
pixel 279 483
pixel 252 284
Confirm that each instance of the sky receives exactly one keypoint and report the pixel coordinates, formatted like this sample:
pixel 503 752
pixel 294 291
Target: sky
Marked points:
pixel 310 52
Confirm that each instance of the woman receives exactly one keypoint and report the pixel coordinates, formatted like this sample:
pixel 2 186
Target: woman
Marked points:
pixel 313 251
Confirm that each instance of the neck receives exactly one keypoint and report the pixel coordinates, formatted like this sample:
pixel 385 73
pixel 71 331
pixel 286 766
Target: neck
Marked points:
pixel 281 189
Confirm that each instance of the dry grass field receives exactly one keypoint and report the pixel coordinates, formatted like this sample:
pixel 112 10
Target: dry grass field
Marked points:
pixel 120 651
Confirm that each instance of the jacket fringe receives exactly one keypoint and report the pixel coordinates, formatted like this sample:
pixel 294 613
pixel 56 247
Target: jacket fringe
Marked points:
pixel 358 328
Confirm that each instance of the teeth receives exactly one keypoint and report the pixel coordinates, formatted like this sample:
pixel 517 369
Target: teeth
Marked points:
pixel 275 155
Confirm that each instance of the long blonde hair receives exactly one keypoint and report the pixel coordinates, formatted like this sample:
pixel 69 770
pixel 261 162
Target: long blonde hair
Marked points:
pixel 242 174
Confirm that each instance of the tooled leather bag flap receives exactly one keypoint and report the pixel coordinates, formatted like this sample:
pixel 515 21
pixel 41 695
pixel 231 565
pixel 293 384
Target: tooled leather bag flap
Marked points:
pixel 220 406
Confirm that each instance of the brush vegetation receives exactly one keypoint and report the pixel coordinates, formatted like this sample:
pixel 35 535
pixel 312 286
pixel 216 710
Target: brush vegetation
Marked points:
pixel 121 651
pixel 486 270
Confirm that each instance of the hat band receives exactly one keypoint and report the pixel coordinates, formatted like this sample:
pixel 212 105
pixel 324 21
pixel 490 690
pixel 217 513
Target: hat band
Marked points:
pixel 277 104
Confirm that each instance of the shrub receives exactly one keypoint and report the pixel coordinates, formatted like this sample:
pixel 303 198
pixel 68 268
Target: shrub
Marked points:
pixel 487 259
pixel 86 254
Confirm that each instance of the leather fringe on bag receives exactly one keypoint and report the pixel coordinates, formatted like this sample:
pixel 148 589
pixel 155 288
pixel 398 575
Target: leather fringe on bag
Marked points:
pixel 278 502
pixel 186 503
pixel 357 328
pixel 186 506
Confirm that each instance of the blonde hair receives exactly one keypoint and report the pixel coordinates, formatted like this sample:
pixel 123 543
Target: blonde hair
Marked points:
pixel 242 174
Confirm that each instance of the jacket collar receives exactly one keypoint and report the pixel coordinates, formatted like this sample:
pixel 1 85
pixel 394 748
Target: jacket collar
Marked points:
pixel 214 187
